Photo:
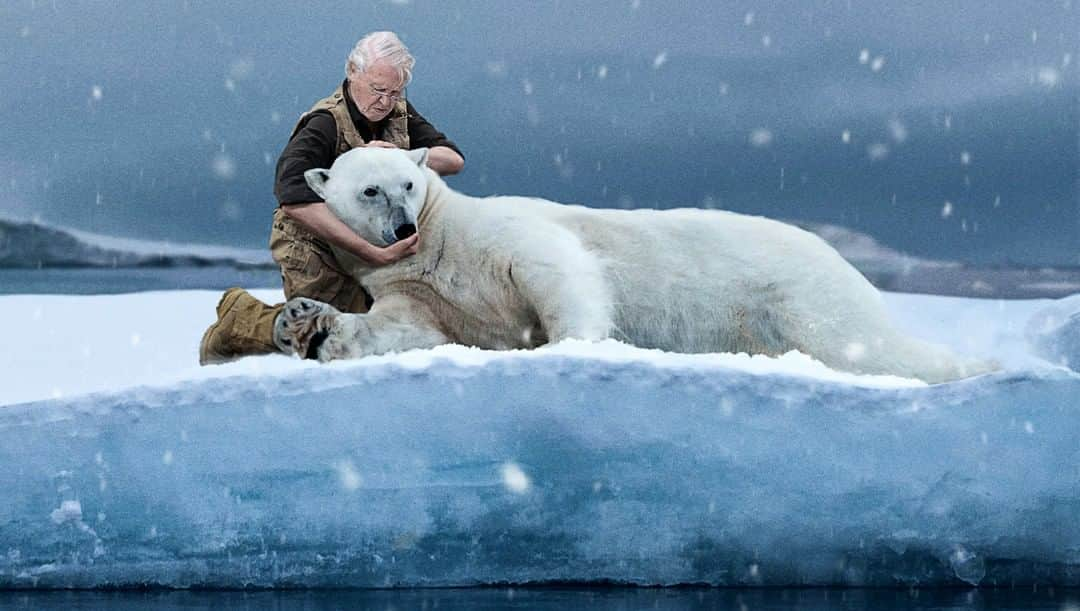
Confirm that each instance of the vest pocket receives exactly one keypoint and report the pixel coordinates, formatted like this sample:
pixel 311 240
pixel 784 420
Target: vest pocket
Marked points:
pixel 308 266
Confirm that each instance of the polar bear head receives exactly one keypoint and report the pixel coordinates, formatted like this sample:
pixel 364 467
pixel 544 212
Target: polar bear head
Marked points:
pixel 377 192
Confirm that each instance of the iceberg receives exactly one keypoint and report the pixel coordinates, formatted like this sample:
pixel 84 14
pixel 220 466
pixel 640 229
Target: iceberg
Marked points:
pixel 579 462
pixel 1055 335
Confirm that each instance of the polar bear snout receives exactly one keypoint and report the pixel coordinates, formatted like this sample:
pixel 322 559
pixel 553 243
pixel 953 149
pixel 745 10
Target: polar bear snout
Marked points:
pixel 405 230
pixel 400 225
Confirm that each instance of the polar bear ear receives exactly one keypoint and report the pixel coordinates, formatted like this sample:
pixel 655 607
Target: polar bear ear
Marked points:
pixel 419 156
pixel 316 179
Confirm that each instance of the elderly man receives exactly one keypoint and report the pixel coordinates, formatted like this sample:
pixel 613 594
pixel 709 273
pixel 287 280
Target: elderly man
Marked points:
pixel 368 109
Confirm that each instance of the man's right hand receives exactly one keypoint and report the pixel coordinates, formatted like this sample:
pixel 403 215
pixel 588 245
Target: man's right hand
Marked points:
pixel 397 251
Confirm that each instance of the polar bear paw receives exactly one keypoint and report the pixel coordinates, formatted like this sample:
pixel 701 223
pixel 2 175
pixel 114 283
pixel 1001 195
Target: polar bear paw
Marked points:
pixel 304 324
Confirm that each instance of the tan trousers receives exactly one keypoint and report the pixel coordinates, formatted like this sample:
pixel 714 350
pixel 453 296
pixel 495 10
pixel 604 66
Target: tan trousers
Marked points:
pixel 309 268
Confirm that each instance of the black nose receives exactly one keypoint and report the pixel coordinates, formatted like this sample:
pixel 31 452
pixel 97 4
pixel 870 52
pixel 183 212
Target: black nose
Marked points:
pixel 404 231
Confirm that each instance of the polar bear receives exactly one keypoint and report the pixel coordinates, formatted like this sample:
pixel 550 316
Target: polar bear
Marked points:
pixel 516 272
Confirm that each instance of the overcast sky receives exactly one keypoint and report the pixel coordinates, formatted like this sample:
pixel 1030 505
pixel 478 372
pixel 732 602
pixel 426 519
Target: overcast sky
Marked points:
pixel 946 129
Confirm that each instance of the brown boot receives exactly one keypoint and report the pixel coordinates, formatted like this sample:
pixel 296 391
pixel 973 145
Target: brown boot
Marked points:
pixel 245 326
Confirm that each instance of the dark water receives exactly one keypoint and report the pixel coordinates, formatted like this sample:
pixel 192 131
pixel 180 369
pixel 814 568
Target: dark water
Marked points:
pixel 89 281
pixel 535 599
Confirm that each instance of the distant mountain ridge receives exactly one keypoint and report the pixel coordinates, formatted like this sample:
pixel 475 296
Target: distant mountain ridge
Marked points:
pixel 29 245
pixel 892 270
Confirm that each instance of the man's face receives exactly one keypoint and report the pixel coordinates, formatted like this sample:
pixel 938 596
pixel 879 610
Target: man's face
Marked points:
pixel 375 90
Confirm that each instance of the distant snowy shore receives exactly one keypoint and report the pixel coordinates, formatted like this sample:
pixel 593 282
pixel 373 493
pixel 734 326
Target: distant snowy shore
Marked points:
pixel 35 245
pixel 31 246
pixel 123 463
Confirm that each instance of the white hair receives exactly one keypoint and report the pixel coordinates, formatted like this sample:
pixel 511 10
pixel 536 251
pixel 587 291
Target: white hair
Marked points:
pixel 381 46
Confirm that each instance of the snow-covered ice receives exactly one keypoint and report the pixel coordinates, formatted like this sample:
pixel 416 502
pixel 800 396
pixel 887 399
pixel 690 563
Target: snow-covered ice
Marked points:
pixel 122 462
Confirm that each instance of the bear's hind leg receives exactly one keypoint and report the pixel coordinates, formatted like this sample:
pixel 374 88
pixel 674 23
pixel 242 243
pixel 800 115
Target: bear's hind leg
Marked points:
pixel 569 303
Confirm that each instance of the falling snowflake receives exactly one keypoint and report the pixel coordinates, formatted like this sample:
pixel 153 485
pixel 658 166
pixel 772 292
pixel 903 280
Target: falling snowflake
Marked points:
pixel 95 92
pixel 947 210
pixel 877 64
pixel 514 478
pixel 348 476
pixel 1049 77
pixel 224 167
pixel 532 115
pixel 864 56
pixel 845 136
pixel 761 137
pixel 659 60
pixel 496 68
pixel 242 68
pixel 898 130
pixel 877 151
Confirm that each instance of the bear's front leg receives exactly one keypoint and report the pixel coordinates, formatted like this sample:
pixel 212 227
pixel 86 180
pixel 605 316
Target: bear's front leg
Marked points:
pixel 319 331
pixel 304 325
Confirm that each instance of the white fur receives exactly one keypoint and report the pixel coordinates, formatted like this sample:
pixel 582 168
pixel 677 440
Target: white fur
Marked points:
pixel 514 272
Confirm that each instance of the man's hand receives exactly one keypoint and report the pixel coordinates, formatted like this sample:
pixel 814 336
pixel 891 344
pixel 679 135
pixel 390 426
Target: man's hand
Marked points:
pixel 381 144
pixel 397 251
pixel 443 159
pixel 317 218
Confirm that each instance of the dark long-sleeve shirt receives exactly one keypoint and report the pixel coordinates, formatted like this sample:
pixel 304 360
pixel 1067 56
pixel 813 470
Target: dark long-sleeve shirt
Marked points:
pixel 315 146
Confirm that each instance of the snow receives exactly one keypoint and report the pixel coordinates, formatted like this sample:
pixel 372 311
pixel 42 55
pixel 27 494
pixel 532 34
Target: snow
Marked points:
pixel 576 462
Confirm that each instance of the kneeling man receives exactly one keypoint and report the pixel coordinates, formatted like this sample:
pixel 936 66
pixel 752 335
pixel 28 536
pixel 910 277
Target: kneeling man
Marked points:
pixel 368 110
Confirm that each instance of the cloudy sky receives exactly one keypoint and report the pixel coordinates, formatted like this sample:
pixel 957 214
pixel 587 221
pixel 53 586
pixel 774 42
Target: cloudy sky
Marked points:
pixel 946 129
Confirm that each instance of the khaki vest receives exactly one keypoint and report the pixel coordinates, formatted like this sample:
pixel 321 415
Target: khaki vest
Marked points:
pixel 396 131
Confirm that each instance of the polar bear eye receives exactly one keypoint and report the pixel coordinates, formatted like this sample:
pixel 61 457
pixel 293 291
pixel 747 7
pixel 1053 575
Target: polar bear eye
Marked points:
pixel 371 191
pixel 408 186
